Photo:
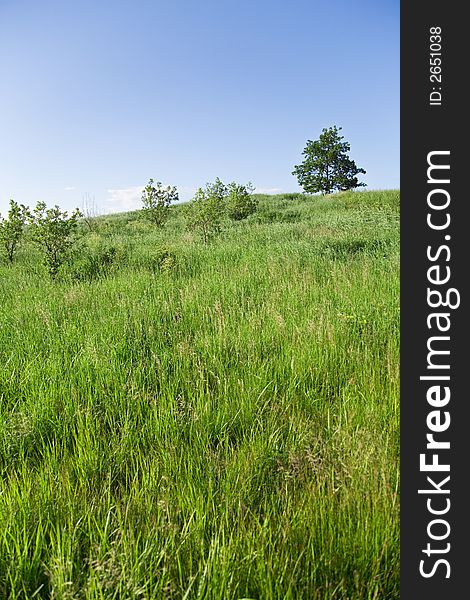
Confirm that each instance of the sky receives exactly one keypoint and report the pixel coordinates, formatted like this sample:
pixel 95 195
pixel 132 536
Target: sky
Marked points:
pixel 96 97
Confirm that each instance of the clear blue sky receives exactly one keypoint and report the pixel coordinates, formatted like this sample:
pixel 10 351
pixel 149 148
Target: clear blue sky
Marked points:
pixel 96 96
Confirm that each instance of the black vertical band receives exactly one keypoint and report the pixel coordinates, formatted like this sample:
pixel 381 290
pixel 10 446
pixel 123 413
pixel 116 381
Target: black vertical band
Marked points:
pixel 434 292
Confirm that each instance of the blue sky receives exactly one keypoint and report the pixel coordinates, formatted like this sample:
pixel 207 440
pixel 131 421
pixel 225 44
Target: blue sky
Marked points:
pixel 98 97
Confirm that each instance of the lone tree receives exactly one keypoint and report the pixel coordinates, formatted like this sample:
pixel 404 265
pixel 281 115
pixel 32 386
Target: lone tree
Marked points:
pixel 11 229
pixel 156 201
pixel 327 166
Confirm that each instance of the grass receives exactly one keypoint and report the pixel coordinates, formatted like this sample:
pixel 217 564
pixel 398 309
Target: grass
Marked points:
pixel 181 421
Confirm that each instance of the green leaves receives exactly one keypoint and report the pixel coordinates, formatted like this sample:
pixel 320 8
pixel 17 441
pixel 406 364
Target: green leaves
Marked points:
pixel 326 166
pixel 11 229
pixel 52 230
pixel 156 202
pixel 205 213
pixel 240 201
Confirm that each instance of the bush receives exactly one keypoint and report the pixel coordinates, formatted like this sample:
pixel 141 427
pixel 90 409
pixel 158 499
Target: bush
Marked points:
pixel 93 259
pixel 165 261
pixel 53 231
pixel 11 229
pixel 156 201
pixel 240 201
pixel 205 212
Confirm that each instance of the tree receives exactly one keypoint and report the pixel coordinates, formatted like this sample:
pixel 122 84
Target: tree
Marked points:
pixel 205 211
pixel 217 190
pixel 156 201
pixel 53 229
pixel 240 201
pixel 327 166
pixel 11 229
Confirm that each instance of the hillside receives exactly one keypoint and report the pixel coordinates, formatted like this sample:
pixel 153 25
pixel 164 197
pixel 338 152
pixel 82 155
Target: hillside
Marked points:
pixel 219 421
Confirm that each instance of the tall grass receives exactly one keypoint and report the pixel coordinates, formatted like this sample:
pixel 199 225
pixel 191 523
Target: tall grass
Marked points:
pixel 182 421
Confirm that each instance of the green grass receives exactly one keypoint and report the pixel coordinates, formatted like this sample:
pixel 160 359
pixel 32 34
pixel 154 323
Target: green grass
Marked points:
pixel 182 421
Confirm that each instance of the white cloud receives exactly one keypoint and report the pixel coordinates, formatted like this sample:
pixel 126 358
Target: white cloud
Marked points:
pixel 186 192
pixel 127 199
pixel 268 190
pixel 124 199
pixel 70 188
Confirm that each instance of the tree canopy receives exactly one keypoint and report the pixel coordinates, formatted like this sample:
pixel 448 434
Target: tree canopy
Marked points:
pixel 327 166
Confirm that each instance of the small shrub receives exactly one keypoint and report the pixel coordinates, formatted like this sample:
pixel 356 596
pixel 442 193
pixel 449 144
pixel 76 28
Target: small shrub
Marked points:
pixel 93 260
pixel 11 229
pixel 166 261
pixel 217 189
pixel 205 212
pixel 240 201
pixel 53 231
pixel 156 201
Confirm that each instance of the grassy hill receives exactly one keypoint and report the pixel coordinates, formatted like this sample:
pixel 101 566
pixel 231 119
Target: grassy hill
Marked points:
pixel 220 421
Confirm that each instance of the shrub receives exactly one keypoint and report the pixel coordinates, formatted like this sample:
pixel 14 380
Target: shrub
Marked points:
pixel 92 259
pixel 11 229
pixel 53 231
pixel 240 201
pixel 217 189
pixel 156 201
pixel 205 212
pixel 165 261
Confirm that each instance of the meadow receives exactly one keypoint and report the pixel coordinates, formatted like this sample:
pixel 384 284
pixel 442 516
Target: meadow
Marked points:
pixel 218 421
